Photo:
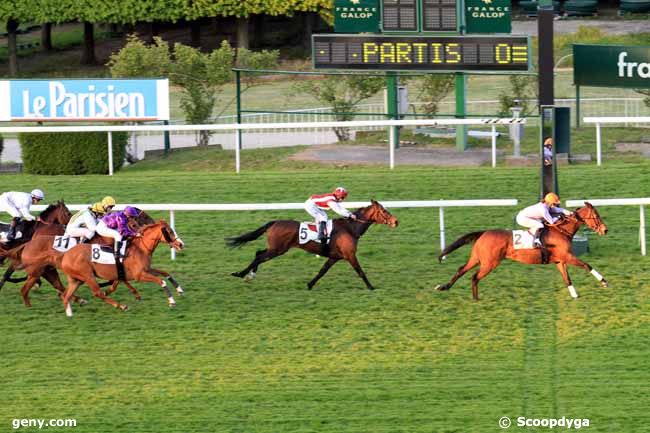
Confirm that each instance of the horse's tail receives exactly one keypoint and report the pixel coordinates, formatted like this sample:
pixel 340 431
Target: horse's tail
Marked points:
pixel 463 240
pixel 240 240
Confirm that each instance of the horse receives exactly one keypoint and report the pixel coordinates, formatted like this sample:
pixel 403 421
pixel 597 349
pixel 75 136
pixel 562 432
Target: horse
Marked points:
pixel 78 267
pixel 492 246
pixel 51 221
pixel 282 235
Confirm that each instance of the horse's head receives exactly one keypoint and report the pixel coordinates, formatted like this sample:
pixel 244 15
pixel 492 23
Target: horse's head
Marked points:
pixel 162 231
pixel 57 213
pixel 589 215
pixel 376 213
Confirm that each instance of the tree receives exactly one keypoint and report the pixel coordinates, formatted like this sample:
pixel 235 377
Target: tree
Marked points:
pixel 199 75
pixel 522 88
pixel 433 88
pixel 343 93
pixel 646 93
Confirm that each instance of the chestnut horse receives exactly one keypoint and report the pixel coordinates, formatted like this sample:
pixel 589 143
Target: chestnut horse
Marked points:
pixel 51 221
pixel 78 267
pixel 492 246
pixel 282 235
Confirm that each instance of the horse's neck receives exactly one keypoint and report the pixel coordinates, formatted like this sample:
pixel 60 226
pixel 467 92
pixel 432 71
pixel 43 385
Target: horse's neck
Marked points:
pixel 148 244
pixel 356 228
pixel 569 227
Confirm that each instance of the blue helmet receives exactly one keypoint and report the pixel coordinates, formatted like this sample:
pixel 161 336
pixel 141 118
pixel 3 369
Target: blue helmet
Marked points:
pixel 130 211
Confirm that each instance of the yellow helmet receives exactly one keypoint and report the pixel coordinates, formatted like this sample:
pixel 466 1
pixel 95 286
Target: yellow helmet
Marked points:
pixel 98 208
pixel 551 198
pixel 107 203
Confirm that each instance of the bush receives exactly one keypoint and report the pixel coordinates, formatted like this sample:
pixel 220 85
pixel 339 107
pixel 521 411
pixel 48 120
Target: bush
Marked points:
pixel 71 153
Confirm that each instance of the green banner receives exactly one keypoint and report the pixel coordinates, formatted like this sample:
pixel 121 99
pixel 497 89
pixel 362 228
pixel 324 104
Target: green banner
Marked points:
pixel 488 16
pixel 611 66
pixel 356 16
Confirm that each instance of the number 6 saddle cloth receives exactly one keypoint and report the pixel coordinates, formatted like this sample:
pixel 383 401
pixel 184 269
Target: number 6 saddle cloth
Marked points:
pixel 309 232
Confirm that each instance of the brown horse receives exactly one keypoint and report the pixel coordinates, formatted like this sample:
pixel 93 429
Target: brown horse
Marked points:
pixel 492 246
pixel 79 268
pixel 282 235
pixel 51 221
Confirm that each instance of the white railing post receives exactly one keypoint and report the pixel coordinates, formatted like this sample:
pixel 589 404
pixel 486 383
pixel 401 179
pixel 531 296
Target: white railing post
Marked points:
pixel 110 153
pixel 172 224
pixel 494 146
pixel 598 145
pixel 642 230
pixel 441 212
pixel 393 138
pixel 237 147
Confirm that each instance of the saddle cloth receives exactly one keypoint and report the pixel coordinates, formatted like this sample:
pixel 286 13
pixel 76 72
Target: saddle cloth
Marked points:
pixel 3 236
pixel 308 232
pixel 522 239
pixel 103 254
pixel 64 243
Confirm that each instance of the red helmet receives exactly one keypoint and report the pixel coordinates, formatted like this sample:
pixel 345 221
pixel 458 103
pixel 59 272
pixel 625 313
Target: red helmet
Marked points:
pixel 340 192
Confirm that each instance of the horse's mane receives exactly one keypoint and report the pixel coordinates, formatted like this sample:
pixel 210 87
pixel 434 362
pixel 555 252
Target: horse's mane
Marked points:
pixel 48 210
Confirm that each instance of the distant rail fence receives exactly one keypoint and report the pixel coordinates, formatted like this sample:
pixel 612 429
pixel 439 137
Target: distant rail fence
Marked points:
pixel 172 208
pixel 599 121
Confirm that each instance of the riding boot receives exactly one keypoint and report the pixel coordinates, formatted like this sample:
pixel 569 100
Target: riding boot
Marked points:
pixel 12 229
pixel 322 236
pixel 119 260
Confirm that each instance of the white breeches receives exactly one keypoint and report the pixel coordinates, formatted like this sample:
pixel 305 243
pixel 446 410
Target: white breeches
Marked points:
pixel 10 210
pixel 530 223
pixel 79 232
pixel 104 230
pixel 319 214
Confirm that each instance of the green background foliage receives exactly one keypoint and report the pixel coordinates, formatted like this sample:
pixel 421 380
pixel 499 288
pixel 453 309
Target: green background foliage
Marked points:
pixel 71 153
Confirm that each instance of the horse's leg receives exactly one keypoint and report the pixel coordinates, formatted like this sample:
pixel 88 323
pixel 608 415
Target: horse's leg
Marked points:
pixel 326 267
pixel 73 285
pixel 354 262
pixel 24 291
pixel 261 256
pixel 97 292
pixel 171 279
pixel 561 266
pixel 471 263
pixel 150 278
pixel 573 260
pixel 52 276
pixel 132 289
pixel 482 273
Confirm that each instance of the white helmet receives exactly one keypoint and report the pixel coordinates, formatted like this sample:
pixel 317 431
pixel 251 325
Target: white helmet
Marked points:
pixel 38 194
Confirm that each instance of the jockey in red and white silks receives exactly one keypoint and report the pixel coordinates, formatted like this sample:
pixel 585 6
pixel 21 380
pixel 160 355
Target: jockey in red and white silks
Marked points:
pixel 532 216
pixel 317 204
pixel 18 204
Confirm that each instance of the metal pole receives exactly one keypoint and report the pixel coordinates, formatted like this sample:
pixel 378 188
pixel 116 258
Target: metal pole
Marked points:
pixel 166 136
pixel 461 130
pixel 642 230
pixel 577 107
pixel 598 145
pixel 442 228
pixel 392 89
pixel 110 153
pixel 494 146
pixel 391 146
pixel 238 141
pixel 172 224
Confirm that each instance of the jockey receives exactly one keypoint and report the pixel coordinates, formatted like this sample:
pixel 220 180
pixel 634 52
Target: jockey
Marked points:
pixel 83 224
pixel 532 216
pixel 116 225
pixel 317 204
pixel 17 204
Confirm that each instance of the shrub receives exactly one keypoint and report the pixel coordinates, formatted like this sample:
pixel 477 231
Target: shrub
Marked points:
pixel 70 153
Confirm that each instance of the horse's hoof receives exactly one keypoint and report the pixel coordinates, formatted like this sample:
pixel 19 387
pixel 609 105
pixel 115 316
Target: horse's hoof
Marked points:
pixel 124 307
pixel 172 305
pixel 180 291
pixel 82 302
pixel 138 298
pixel 236 274
pixel 441 287
pixel 604 283
pixel 68 310
pixel 249 277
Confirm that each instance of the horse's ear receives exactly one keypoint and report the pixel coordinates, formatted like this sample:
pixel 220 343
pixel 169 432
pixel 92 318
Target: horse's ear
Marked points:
pixel 588 204
pixel 373 201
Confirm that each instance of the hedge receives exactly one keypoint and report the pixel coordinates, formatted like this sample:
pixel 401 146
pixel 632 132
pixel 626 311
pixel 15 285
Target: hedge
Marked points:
pixel 70 152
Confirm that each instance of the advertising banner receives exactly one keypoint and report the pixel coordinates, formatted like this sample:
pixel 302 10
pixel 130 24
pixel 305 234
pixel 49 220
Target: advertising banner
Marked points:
pixel 611 66
pixel 488 16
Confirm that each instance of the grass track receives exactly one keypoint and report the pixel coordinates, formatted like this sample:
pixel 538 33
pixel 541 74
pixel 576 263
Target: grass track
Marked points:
pixel 274 357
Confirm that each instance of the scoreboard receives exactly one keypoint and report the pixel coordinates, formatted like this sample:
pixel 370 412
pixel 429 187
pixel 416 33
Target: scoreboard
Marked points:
pixel 422 53
pixel 432 16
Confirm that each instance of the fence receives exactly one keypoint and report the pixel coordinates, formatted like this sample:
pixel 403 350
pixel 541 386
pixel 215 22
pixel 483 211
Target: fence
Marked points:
pixel 173 208
pixel 259 126
pixel 611 120
pixel 641 202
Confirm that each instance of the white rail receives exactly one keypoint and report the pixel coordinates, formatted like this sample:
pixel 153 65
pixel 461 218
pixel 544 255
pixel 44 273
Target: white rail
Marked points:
pixel 641 202
pixel 109 129
pixel 609 120
pixel 172 208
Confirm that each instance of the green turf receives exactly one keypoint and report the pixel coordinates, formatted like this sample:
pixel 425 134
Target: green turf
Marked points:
pixel 274 357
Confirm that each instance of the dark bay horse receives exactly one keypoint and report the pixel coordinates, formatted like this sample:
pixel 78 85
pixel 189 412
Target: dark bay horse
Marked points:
pixel 78 267
pixel 492 246
pixel 282 235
